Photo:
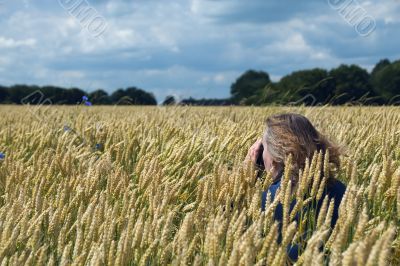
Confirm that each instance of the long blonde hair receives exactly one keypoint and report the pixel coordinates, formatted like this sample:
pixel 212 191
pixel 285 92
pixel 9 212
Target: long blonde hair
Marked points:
pixel 294 134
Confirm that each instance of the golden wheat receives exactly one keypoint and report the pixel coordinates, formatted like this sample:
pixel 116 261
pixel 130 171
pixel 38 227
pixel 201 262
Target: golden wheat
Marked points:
pixel 167 185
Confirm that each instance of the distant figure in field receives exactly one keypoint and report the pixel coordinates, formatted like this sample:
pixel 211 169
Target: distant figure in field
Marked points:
pixel 294 134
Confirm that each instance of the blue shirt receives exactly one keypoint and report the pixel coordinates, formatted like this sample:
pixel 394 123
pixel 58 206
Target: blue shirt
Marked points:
pixel 334 189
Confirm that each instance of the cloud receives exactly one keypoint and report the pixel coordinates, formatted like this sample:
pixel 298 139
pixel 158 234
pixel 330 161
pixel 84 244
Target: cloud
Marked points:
pixel 185 47
pixel 256 11
pixel 11 43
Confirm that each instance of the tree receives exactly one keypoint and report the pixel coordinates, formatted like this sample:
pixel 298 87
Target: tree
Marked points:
pixel 169 100
pixel 206 102
pixel 99 97
pixel 352 83
pixel 73 96
pixel 308 87
pixel 3 94
pixel 140 97
pixel 133 96
pixel 20 93
pixel 54 94
pixel 380 65
pixel 248 85
pixel 116 97
pixel 386 81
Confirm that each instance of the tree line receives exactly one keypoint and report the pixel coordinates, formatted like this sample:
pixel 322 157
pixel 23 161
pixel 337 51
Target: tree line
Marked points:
pixel 24 94
pixel 346 84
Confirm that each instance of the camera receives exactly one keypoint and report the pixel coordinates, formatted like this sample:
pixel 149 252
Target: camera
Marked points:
pixel 260 160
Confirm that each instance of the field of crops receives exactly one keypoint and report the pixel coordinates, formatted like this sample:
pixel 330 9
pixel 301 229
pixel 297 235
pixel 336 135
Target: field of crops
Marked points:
pixel 121 186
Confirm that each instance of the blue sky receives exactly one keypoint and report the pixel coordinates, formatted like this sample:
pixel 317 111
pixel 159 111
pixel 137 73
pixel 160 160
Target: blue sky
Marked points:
pixel 185 47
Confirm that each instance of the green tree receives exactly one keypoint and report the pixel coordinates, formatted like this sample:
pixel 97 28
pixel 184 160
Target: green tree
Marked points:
pixel 116 97
pixel 247 88
pixel 140 97
pixel 352 84
pixel 18 93
pixel 54 94
pixel 3 94
pixel 386 81
pixel 380 65
pixel 73 96
pixel 99 97
pixel 307 87
pixel 133 96
pixel 169 100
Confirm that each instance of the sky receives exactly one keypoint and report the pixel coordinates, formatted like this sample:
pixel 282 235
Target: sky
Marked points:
pixel 187 48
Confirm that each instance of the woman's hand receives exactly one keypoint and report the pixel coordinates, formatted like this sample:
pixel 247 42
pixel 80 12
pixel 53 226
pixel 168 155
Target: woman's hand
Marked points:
pixel 254 151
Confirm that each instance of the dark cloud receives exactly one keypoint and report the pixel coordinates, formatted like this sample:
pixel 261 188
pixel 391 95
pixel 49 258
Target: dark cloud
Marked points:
pixel 260 11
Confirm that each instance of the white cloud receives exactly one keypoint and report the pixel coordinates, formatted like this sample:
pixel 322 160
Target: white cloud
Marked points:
pixel 219 78
pixel 12 43
pixel 211 8
pixel 387 11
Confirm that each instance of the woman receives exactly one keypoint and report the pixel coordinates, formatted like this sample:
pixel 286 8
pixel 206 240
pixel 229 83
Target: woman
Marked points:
pixel 294 134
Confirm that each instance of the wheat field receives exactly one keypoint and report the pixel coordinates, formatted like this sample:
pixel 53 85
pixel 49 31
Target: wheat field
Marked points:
pixel 168 186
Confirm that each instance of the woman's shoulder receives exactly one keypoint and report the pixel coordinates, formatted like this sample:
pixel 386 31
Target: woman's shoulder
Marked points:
pixel 273 188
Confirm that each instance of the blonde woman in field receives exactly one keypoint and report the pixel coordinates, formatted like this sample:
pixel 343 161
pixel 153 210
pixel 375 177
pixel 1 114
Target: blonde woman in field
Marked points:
pixel 294 134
